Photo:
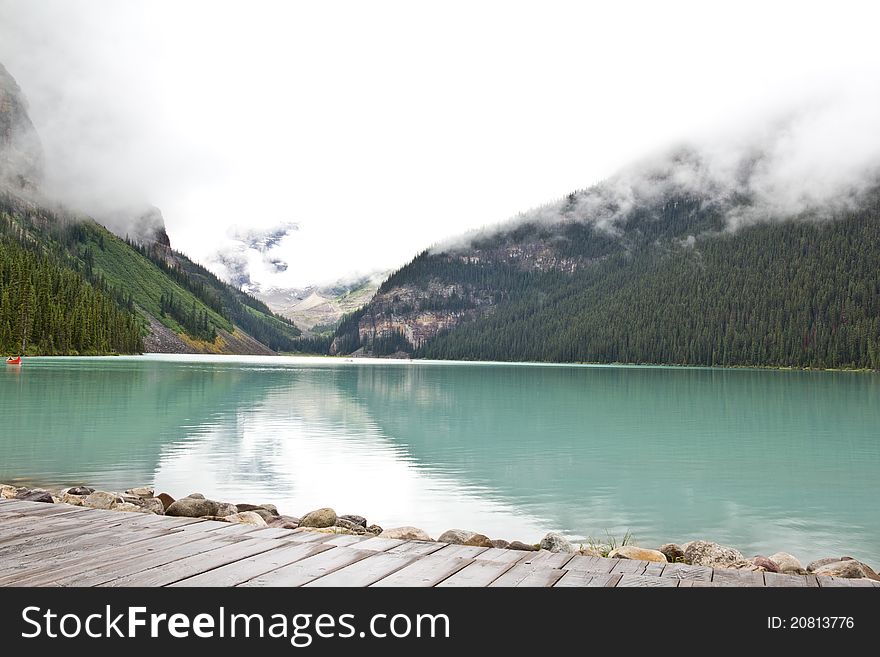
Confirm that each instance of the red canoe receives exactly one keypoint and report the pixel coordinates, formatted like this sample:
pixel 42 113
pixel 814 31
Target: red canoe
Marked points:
pixel 16 360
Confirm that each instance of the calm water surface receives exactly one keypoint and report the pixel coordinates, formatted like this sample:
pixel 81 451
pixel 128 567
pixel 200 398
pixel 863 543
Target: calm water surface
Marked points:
pixel 762 460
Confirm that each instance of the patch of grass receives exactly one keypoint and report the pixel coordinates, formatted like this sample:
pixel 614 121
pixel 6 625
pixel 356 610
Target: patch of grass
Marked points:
pixel 610 543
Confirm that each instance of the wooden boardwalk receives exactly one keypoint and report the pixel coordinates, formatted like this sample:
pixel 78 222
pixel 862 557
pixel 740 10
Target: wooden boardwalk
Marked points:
pixel 59 545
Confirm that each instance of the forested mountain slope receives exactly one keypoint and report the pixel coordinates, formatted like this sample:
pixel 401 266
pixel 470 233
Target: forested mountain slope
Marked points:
pixel 669 280
pixel 70 286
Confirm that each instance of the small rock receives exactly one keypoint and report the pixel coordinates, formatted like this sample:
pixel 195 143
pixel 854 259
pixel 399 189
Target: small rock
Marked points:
pixel 479 540
pixel 342 531
pixel 35 495
pixel 325 517
pixel 354 528
pixel 406 534
pixel 224 509
pixel 151 505
pixel 83 491
pixel 555 542
pixel 193 507
pixel 73 500
pixel 195 496
pixel 265 514
pixel 8 492
pixel 519 545
pixel 141 491
pixel 637 553
pixel 589 551
pixel 264 510
pixel 870 573
pixel 358 520
pixel 166 500
pixel 284 522
pixel 740 564
pixel 374 529
pixel 707 553
pixel 849 569
pixel 787 563
pixel 813 566
pixel 245 518
pixel 456 536
pixel 129 507
pixel 673 553
pixel 101 500
pixel 765 563
pixel 500 543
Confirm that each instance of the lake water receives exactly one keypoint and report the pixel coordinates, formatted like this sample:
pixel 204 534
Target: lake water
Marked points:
pixel 761 460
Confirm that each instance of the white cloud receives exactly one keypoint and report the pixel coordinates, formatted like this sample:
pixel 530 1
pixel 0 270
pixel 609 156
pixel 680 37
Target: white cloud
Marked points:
pixel 382 128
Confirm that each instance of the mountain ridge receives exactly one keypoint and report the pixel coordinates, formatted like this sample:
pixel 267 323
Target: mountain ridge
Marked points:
pixel 675 267
pixel 56 264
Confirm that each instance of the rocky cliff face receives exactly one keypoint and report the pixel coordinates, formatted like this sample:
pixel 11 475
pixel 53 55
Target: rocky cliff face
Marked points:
pixel 142 225
pixel 21 153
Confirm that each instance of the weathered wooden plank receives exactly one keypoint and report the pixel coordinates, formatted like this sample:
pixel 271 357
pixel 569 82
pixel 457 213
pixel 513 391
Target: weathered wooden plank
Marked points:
pixel 477 573
pixel 378 544
pixel 630 580
pixel 39 572
pixel 685 572
pixel 45 558
pixel 499 555
pixel 366 571
pixel 578 578
pixel 838 582
pixel 812 581
pixel 529 575
pixel 346 540
pixel 42 508
pixel 782 580
pixel 271 532
pixel 90 575
pixel 60 550
pixel 416 548
pixel 313 537
pixel 47 533
pixel 833 582
pixel 170 521
pixel 629 567
pixel 310 568
pixel 234 529
pixel 734 577
pixel 590 564
pixel 425 571
pixel 242 570
pixel 195 564
pixel 547 559
pixel 204 526
pixel 460 551
pixel 655 569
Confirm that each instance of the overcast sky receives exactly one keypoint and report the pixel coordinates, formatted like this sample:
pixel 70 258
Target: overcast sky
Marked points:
pixel 379 128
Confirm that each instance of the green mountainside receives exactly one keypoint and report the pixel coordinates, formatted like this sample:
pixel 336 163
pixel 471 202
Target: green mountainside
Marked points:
pixel 667 284
pixel 68 285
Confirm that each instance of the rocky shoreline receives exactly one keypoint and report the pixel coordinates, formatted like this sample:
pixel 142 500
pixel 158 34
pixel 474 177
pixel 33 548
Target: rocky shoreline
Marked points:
pixel 698 553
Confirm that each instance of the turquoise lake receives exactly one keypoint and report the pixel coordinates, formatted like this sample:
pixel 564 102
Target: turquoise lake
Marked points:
pixel 760 460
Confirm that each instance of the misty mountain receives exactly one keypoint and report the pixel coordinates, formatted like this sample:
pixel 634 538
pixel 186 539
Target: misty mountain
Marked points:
pixel 677 260
pixel 69 285
pixel 21 153
pixel 318 308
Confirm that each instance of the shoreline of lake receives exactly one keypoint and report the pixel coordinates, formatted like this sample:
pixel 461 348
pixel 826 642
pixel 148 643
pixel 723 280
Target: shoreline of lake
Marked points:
pixel 384 360
pixel 703 553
